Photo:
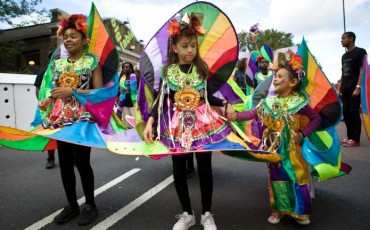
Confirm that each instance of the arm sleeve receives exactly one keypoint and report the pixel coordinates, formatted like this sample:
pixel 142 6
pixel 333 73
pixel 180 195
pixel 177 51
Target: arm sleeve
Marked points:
pixel 247 115
pixel 211 89
pixel 315 119
pixel 39 78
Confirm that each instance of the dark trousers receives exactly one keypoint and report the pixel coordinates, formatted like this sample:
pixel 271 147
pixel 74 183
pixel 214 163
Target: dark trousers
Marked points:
pixel 70 155
pixel 204 163
pixel 351 116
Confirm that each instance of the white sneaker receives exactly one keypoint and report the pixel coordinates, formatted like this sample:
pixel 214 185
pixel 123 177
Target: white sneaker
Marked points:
pixel 208 222
pixel 304 222
pixel 185 221
pixel 274 218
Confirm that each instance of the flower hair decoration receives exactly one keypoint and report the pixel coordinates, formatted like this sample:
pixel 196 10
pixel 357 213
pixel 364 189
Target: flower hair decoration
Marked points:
pixel 294 61
pixel 188 24
pixel 75 20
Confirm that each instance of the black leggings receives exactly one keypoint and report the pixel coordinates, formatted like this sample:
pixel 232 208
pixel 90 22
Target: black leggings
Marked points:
pixel 204 163
pixel 70 155
pixel 351 116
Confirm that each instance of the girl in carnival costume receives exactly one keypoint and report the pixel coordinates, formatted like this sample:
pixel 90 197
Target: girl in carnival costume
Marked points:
pixel 287 119
pixel 183 115
pixel 79 73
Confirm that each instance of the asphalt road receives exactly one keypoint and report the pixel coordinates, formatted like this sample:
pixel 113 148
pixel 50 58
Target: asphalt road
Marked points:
pixel 138 193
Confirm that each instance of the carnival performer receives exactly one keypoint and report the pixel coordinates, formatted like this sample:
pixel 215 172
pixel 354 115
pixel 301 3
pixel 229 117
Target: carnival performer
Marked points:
pixel 264 71
pixel 78 73
pixel 184 118
pixel 126 98
pixel 287 119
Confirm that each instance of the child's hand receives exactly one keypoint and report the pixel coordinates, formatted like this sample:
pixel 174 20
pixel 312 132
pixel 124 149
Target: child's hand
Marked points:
pixel 60 92
pixel 44 104
pixel 148 133
pixel 231 116
pixel 298 137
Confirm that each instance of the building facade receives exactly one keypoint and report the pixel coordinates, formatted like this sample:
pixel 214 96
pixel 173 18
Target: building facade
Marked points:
pixel 38 40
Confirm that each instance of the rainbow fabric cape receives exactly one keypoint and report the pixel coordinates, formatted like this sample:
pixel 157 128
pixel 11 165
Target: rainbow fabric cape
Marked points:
pixel 99 102
pixel 365 96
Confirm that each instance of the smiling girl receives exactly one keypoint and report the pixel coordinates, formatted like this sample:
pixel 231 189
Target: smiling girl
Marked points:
pixel 79 73
pixel 287 119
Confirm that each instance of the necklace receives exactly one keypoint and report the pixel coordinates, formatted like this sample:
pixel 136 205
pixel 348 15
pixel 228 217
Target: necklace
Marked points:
pixel 187 97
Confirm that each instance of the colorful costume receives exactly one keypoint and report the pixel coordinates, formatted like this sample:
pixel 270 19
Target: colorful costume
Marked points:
pixel 68 110
pixel 289 180
pixel 187 121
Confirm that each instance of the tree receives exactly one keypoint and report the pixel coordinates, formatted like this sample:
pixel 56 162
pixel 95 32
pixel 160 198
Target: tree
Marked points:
pixel 275 39
pixel 11 9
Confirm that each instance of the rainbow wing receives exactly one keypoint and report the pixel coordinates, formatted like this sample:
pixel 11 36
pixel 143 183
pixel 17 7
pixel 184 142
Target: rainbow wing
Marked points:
pixel 101 45
pixel 324 98
pixel 365 96
pixel 218 47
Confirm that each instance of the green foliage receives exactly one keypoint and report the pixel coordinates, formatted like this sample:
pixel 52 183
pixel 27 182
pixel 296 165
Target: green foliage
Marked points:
pixel 275 39
pixel 11 9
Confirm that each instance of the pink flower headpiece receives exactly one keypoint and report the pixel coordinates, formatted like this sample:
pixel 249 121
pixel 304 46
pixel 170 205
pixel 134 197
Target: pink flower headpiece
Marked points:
pixel 77 21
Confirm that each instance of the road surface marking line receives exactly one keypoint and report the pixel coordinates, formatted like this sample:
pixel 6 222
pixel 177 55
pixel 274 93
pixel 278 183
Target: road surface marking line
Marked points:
pixel 50 218
pixel 115 217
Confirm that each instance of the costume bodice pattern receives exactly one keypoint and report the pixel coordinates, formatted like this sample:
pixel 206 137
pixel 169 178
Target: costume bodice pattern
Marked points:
pixel 280 115
pixel 75 75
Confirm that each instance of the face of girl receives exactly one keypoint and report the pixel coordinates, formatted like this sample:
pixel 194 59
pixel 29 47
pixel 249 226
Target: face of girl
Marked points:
pixel 283 83
pixel 186 49
pixel 73 41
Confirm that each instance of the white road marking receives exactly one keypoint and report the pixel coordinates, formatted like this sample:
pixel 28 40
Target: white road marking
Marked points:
pixel 115 217
pixel 50 218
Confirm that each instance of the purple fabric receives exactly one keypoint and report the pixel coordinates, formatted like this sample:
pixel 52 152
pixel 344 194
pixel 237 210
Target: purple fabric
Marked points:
pixel 106 132
pixel 247 115
pixel 228 93
pixel 155 57
pixel 315 119
pixel 142 102
pixel 129 135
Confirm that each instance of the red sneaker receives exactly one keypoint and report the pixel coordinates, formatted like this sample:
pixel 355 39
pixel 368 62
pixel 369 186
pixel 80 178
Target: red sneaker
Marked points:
pixel 351 143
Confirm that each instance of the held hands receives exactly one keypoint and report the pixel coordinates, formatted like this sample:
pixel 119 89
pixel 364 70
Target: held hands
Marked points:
pixel 60 92
pixel 230 113
pixel 298 137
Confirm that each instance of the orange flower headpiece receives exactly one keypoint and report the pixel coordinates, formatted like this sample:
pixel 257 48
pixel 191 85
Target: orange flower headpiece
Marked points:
pixel 77 21
pixel 188 25
pixel 291 60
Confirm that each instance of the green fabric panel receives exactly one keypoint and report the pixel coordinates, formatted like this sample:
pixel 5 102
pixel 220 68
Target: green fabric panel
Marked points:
pixel 284 196
pixel 327 171
pixel 36 143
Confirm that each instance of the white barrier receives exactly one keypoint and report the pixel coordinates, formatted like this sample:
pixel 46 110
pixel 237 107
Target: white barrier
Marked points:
pixel 17 100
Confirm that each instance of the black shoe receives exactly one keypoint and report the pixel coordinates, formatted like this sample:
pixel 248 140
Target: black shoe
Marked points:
pixel 190 173
pixel 89 213
pixel 50 164
pixel 68 213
